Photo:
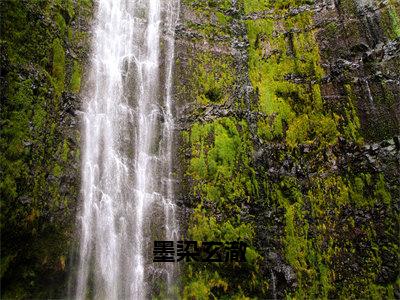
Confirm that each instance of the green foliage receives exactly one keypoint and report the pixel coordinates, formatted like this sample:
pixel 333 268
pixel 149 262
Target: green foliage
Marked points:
pixel 326 223
pixel 285 72
pixel 217 280
pixel 321 232
pixel 390 20
pixel 205 228
pixel 395 21
pixel 326 217
pixel 65 151
pixel 381 193
pixel 264 130
pixel 316 129
pixel 351 120
pixel 209 6
pixel 319 237
pixel 272 58
pixel 58 65
pixel 224 182
pixel 215 22
pixel 36 221
pixel 61 24
pixel 213 78
pixel 201 285
pixel 76 77
pixel 280 6
pixel 221 168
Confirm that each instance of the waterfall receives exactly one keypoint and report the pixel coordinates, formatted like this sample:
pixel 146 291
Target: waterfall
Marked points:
pixel 127 151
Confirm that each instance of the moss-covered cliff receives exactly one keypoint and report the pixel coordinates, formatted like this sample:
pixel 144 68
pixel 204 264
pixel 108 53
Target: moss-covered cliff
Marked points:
pixel 43 49
pixel 289 113
pixel 287 139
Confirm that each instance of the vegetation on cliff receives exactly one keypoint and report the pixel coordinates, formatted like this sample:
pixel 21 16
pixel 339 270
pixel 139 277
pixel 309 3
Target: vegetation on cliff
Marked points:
pixel 299 173
pixel 289 123
pixel 43 45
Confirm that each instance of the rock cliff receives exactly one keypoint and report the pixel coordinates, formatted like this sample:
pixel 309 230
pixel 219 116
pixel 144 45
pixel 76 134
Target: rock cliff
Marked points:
pixel 44 45
pixel 289 114
pixel 287 138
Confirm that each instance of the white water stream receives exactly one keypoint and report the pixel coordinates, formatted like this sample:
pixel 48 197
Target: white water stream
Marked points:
pixel 127 144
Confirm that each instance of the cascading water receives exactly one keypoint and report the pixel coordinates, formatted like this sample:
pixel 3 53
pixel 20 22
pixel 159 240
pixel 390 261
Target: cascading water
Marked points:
pixel 127 185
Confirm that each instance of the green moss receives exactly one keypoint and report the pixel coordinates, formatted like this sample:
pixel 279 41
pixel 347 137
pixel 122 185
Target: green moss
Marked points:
pixel 274 57
pixel 316 129
pixel 223 19
pixel 329 215
pixel 75 84
pixel 264 130
pixel 298 131
pixel 214 79
pixel 331 29
pixel 296 245
pixel 58 65
pixel 223 182
pixel 381 193
pixel 215 23
pixel 216 280
pixel 61 24
pixel 349 7
pixel 319 235
pixel 57 170
pixel 280 7
pixel 359 191
pixel 206 228
pixel 255 5
pixel 221 167
pixel 351 124
pixel 35 228
pixel 206 78
pixel 395 22
pixel 201 285
pixel 65 151
pixel 69 5
pixel 389 21
pixel 39 117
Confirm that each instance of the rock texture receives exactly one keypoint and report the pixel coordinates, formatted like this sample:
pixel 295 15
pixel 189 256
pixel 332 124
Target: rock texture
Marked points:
pixel 289 125
pixel 287 139
pixel 43 48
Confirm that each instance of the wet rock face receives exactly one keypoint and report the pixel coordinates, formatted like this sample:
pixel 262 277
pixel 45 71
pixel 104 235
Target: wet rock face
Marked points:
pixel 287 129
pixel 44 47
pixel 359 44
pixel 312 89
